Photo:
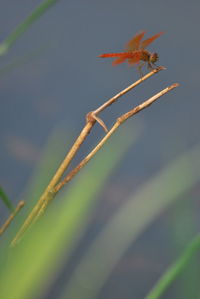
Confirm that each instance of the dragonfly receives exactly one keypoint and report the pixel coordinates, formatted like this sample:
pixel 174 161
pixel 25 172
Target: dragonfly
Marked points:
pixel 136 53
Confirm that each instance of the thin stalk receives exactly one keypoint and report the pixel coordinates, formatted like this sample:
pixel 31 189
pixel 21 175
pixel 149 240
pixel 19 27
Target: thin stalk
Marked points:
pixel 24 26
pixel 118 123
pixel 11 217
pixel 50 190
pixel 124 91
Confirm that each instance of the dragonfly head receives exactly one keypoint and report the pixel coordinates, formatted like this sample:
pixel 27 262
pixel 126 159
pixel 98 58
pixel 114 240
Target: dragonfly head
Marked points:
pixel 153 57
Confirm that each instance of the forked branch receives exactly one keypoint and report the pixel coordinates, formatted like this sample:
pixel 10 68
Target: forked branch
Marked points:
pixel 119 121
pixel 57 183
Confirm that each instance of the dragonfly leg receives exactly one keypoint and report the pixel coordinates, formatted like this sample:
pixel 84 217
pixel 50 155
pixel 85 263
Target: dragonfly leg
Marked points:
pixel 153 66
pixel 139 68
pixel 150 66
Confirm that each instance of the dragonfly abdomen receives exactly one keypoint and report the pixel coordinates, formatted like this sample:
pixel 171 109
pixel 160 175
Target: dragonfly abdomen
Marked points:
pixel 122 54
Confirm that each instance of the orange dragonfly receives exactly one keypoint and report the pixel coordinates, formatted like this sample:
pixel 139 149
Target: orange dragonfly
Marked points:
pixel 136 52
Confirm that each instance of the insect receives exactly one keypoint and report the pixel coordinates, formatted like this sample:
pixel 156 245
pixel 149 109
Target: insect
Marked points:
pixel 135 52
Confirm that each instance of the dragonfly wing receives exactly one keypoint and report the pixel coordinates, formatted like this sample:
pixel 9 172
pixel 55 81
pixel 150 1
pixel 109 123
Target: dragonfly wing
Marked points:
pixel 122 57
pixel 135 59
pixel 149 40
pixel 134 43
pixel 118 60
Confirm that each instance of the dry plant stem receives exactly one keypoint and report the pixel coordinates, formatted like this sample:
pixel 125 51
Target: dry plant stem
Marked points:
pixel 124 91
pixel 11 217
pixel 93 114
pixel 92 117
pixel 50 191
pixel 119 121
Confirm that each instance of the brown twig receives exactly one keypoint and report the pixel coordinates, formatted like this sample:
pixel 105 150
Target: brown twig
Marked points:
pixel 91 118
pixel 124 91
pixel 11 217
pixel 51 191
pixel 119 121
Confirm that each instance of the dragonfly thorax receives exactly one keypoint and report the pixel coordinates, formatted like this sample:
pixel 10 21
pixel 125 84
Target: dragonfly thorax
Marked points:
pixel 149 57
pixel 145 55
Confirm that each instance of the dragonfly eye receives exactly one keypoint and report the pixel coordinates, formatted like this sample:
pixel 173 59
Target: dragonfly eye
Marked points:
pixel 154 57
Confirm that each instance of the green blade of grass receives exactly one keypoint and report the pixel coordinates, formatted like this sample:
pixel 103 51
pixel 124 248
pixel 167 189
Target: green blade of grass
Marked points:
pixel 176 269
pixel 51 156
pixel 20 61
pixel 6 200
pixel 130 222
pixel 40 253
pixel 24 26
pixel 181 224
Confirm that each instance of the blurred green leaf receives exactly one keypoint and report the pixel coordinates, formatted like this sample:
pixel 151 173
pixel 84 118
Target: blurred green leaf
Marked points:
pixel 24 26
pixel 32 265
pixel 131 221
pixel 51 156
pixel 182 223
pixel 173 271
pixel 20 61
pixel 6 200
